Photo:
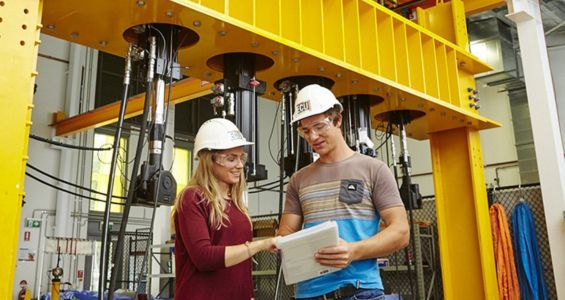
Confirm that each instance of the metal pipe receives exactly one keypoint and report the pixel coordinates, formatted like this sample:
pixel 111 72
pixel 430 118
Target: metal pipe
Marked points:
pixel 407 182
pixel 41 253
pixel 105 248
pixel 281 151
pixel 255 137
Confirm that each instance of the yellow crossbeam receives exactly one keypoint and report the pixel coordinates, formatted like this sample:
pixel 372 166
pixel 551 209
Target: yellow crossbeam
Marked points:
pixel 476 6
pixel 362 46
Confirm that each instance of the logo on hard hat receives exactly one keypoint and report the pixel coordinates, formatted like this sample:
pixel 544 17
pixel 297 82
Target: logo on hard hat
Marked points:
pixel 235 135
pixel 302 107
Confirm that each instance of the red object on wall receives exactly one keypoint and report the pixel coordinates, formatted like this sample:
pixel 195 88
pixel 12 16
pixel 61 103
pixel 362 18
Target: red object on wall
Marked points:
pixel 80 275
pixel 26 235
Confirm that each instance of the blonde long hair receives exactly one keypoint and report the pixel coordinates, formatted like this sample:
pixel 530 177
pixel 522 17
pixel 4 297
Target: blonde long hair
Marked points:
pixel 205 181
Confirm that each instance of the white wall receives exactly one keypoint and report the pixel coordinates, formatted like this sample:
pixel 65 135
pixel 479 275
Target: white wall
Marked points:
pixel 61 66
pixel 267 202
pixel 49 98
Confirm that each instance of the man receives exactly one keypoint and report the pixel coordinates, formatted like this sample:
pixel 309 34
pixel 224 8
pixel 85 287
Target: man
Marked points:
pixel 355 190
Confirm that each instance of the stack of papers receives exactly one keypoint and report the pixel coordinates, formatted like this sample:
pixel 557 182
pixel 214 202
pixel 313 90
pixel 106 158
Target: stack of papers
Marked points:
pixel 298 250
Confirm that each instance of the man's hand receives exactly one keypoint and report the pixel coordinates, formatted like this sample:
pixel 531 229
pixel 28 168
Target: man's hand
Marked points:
pixel 339 256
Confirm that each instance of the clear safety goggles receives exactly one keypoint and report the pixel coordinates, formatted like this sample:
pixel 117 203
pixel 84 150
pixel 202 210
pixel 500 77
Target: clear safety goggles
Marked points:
pixel 317 128
pixel 230 160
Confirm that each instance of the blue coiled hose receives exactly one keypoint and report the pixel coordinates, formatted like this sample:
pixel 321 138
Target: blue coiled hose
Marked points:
pixel 528 263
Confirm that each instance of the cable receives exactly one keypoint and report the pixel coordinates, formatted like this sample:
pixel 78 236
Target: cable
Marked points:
pixel 105 248
pixel 277 286
pixel 70 183
pixel 256 192
pixel 42 139
pixel 67 191
pixel 271 135
pixel 266 184
pixel 270 186
pixel 387 136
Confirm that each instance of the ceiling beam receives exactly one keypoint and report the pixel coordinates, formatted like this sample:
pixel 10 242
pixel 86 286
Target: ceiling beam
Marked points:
pixel 476 6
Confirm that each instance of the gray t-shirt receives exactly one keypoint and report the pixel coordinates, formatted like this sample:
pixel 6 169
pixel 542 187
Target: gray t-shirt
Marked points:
pixel 357 182
pixel 350 192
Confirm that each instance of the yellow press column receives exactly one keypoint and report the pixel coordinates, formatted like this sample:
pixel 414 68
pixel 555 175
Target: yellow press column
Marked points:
pixel 19 42
pixel 465 240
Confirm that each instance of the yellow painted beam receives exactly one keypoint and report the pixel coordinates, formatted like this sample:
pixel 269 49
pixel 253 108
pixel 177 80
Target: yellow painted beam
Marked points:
pixel 362 46
pixel 466 253
pixel 476 6
pixel 184 90
pixel 19 42
pixel 465 241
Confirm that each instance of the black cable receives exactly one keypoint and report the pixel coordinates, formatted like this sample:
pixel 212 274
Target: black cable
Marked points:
pixel 271 134
pixel 70 183
pixel 42 139
pixel 266 184
pixel 387 136
pixel 132 189
pixel 265 190
pixel 268 188
pixel 67 191
pixel 105 246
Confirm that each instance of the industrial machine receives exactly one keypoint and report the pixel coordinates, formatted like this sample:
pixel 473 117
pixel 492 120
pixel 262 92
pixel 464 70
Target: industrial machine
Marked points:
pixel 247 46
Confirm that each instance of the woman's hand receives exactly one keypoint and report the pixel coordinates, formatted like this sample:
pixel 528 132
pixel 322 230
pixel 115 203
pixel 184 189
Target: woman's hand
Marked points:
pixel 270 244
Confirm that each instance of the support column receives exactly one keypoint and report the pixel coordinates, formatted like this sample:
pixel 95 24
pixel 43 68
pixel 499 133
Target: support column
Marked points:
pixel 19 43
pixel 545 126
pixel 467 260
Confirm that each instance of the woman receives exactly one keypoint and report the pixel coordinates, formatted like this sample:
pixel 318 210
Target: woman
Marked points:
pixel 213 247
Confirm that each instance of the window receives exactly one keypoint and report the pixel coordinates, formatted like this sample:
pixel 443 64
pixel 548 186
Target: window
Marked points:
pixel 101 173
pixel 182 166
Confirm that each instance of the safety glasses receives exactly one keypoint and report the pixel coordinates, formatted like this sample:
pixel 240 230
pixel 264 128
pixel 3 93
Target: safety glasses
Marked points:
pixel 318 128
pixel 230 160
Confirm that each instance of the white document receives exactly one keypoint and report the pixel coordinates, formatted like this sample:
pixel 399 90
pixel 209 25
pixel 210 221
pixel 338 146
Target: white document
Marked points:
pixel 298 250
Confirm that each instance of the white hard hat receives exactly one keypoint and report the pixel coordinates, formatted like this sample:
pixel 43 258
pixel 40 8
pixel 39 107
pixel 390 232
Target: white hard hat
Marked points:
pixel 218 134
pixel 312 100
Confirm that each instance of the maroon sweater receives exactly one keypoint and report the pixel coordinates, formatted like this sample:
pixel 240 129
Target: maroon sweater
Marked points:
pixel 199 252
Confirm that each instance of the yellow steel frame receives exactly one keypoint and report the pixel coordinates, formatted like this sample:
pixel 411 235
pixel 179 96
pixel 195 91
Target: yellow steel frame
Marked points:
pixel 477 6
pixel 461 202
pixel 465 241
pixel 364 47
pixel 19 41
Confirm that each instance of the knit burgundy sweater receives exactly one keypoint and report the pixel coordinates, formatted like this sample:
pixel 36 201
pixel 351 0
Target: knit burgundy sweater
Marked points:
pixel 200 249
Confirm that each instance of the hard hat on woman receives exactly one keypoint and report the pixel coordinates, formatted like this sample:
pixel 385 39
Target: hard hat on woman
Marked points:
pixel 218 134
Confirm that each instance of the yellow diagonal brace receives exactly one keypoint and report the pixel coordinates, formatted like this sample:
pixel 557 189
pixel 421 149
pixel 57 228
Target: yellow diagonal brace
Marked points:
pixel 184 90
pixel 465 240
pixel 19 40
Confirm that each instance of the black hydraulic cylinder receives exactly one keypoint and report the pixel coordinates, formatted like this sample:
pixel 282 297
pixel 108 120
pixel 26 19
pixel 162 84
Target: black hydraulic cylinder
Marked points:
pixel 239 79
